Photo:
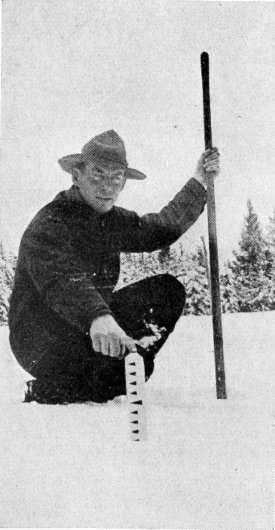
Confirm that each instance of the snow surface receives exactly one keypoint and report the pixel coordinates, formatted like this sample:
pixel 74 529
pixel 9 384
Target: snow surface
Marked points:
pixel 207 463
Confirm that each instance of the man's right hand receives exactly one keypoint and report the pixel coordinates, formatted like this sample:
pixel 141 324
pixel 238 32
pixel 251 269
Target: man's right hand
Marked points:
pixel 109 339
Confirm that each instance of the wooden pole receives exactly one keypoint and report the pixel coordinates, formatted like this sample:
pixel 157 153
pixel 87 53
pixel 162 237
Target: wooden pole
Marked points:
pixel 206 264
pixel 212 235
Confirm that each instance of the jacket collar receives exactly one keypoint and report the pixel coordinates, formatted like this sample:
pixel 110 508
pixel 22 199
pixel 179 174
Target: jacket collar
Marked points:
pixel 73 195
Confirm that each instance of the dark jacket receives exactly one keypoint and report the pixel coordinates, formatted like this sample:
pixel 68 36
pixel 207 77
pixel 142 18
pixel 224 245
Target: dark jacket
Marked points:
pixel 68 263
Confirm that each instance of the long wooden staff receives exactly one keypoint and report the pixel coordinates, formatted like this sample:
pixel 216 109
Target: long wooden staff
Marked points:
pixel 212 235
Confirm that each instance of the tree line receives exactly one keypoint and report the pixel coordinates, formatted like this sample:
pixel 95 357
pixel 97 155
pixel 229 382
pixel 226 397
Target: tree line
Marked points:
pixel 247 280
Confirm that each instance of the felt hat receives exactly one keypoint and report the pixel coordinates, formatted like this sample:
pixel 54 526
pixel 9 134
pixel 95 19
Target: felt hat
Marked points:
pixel 106 146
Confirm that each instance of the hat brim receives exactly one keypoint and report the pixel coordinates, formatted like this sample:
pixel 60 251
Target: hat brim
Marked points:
pixel 67 163
pixel 134 174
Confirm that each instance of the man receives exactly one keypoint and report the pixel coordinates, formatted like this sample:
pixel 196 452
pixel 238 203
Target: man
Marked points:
pixel 68 328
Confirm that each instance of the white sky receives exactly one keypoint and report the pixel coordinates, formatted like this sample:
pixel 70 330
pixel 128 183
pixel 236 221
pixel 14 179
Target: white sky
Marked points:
pixel 74 68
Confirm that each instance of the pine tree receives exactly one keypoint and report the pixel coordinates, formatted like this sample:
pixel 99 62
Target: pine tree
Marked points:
pixel 196 285
pixel 180 259
pixel 136 266
pixel 249 266
pixel 169 261
pixel 7 267
pixel 229 299
pixel 164 258
pixel 270 259
pixel 271 233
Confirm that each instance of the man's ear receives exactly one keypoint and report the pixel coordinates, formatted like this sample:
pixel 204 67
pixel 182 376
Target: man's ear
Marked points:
pixel 76 175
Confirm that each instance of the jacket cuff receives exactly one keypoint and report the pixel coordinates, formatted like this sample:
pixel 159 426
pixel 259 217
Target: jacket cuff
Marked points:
pixel 197 188
pixel 99 313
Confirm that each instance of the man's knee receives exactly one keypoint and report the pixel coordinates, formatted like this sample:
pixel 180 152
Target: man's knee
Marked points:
pixel 170 288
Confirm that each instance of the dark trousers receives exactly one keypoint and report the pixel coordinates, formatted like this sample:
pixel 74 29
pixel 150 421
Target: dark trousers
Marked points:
pixel 72 371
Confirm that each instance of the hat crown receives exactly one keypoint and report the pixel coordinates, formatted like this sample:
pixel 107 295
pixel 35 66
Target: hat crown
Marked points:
pixel 107 145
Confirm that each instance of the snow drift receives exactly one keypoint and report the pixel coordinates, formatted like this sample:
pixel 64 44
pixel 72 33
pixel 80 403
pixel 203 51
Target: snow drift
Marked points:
pixel 206 465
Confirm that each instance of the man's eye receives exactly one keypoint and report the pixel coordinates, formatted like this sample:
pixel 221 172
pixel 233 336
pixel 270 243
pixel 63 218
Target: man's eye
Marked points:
pixel 118 178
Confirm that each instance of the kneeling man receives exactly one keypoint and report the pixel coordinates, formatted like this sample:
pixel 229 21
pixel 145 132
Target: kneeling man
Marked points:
pixel 68 328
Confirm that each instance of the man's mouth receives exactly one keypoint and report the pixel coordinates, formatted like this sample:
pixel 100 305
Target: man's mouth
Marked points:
pixel 104 198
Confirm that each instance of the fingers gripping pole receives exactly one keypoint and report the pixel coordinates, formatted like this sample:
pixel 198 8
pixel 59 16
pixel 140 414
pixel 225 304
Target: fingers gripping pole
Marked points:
pixel 135 387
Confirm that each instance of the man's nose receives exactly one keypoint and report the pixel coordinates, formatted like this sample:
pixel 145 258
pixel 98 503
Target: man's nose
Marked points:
pixel 106 185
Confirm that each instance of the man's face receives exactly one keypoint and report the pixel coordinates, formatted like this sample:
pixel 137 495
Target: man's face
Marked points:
pixel 100 184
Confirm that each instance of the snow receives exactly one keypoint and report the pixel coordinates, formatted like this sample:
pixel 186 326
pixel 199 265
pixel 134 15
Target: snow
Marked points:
pixel 207 462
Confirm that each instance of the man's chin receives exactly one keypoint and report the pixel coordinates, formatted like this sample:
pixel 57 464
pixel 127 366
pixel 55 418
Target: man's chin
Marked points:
pixel 103 206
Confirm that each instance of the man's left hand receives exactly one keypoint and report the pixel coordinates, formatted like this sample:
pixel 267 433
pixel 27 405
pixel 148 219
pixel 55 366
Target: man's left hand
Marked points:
pixel 209 162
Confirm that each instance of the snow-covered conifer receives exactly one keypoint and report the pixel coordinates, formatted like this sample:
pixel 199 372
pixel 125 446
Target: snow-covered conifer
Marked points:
pixel 229 298
pixel 270 259
pixel 271 232
pixel 251 284
pixel 170 261
pixel 196 285
pixel 7 266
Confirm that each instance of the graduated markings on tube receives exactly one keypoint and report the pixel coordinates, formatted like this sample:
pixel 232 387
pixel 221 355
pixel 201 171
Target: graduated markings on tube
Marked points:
pixel 135 385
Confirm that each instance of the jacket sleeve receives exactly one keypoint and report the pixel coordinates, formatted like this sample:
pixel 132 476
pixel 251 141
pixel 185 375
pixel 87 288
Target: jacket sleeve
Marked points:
pixel 60 274
pixel 154 231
